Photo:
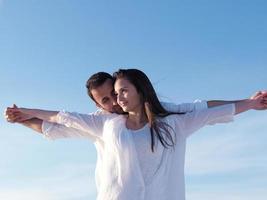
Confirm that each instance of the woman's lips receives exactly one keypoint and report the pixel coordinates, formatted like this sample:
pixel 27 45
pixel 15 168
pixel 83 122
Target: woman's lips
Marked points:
pixel 123 104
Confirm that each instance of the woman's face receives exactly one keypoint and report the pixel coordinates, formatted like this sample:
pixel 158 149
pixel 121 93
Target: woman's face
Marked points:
pixel 127 96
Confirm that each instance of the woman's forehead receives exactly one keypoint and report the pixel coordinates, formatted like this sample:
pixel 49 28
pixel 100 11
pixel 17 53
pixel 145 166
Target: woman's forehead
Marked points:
pixel 122 83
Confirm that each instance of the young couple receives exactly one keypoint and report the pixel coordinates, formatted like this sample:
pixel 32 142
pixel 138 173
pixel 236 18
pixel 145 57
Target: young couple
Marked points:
pixel 140 141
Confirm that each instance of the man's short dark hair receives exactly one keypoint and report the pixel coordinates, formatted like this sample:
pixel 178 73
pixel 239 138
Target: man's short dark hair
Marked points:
pixel 95 81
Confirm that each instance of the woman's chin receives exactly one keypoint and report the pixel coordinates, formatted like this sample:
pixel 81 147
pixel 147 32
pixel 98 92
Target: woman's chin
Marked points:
pixel 125 108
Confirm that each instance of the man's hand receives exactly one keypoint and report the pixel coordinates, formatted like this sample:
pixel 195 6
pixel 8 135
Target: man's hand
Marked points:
pixel 13 115
pixel 259 100
pixel 257 94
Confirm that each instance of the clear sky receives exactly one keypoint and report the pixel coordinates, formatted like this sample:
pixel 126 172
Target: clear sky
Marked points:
pixel 202 49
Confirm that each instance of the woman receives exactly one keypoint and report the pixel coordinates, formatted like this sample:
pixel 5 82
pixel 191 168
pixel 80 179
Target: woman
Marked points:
pixel 144 149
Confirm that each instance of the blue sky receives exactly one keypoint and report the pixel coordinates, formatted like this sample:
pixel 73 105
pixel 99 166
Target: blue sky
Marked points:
pixel 190 50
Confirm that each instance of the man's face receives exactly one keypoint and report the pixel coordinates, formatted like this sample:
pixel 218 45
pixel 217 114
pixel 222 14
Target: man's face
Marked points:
pixel 105 97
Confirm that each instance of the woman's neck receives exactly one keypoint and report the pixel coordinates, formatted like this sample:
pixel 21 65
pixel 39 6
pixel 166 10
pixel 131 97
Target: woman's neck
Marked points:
pixel 136 120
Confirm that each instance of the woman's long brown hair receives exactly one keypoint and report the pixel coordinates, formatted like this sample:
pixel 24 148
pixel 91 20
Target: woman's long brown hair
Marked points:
pixel 153 109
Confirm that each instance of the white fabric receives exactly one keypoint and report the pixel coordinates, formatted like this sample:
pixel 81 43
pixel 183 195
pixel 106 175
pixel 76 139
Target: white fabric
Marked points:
pixel 185 107
pixel 149 161
pixel 121 177
pixel 54 131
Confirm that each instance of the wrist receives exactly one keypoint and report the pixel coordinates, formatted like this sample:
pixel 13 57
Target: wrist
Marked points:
pixel 250 103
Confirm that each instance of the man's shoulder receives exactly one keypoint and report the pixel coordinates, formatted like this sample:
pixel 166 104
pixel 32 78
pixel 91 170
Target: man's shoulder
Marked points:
pixel 106 115
pixel 101 112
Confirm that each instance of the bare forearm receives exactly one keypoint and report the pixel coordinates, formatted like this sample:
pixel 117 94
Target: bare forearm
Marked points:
pixel 244 105
pixel 240 105
pixel 34 124
pixel 214 103
pixel 45 115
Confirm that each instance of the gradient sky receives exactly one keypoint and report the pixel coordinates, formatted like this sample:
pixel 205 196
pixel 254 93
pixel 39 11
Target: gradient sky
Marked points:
pixel 202 49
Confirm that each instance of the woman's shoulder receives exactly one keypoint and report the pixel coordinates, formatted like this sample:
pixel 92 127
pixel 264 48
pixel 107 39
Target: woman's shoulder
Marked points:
pixel 114 117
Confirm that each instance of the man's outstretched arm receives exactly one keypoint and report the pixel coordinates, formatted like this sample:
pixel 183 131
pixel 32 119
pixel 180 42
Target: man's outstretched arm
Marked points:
pixel 34 124
pixel 49 130
pixel 82 125
pixel 15 114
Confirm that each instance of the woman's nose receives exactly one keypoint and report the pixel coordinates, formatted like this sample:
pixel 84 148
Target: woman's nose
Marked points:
pixel 119 97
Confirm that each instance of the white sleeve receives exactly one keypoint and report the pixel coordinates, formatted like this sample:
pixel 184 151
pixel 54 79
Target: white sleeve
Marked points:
pixel 53 131
pixel 191 122
pixel 185 107
pixel 90 123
